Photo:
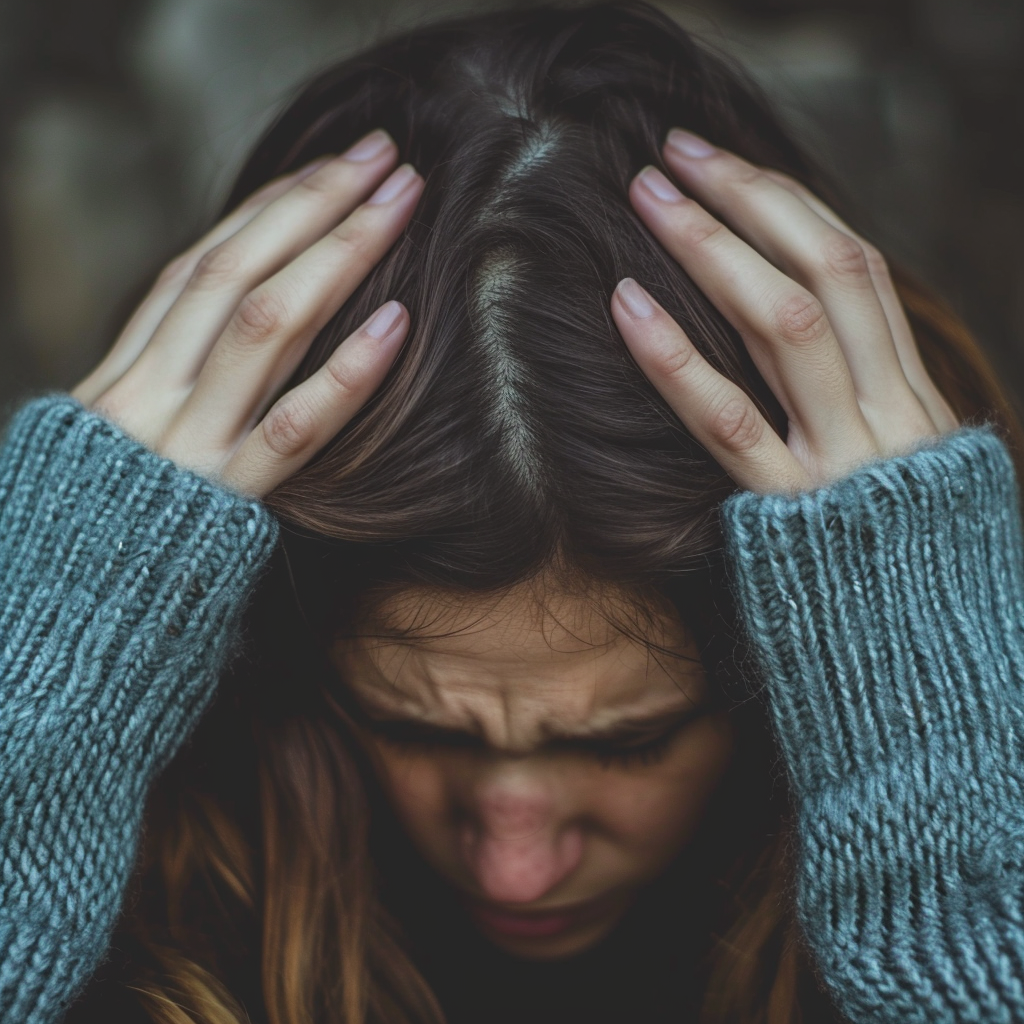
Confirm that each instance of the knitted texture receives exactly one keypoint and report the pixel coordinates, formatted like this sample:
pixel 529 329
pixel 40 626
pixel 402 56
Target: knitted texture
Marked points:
pixel 124 580
pixel 885 612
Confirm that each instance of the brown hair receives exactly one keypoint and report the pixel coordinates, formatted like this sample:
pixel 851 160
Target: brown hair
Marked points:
pixel 514 434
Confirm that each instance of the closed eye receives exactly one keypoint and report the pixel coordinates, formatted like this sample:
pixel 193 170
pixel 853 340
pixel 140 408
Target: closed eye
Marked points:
pixel 405 732
pixel 632 753
pixel 643 749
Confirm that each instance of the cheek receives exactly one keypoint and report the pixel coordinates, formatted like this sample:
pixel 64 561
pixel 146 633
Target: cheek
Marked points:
pixel 645 813
pixel 653 811
pixel 420 787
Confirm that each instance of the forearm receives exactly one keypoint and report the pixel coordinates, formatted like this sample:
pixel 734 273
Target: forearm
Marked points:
pixel 124 578
pixel 886 614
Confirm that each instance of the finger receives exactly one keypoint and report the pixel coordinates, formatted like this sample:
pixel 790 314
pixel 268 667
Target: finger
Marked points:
pixel 305 419
pixel 714 409
pixel 274 324
pixel 823 258
pixel 273 238
pixel 783 325
pixel 171 282
pixel 914 370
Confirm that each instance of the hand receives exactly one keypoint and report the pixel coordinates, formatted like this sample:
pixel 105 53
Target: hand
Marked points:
pixel 821 320
pixel 228 322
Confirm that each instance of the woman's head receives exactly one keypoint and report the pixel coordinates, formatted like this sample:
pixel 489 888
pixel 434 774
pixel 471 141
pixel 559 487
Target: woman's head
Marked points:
pixel 518 469
pixel 506 568
pixel 545 764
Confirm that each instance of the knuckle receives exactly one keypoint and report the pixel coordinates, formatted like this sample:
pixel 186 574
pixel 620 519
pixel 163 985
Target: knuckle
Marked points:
pixel 677 361
pixel 221 265
pixel 260 315
pixel 703 229
pixel 349 236
pixel 176 271
pixel 843 256
pixel 342 378
pixel 746 177
pixel 781 178
pixel 323 184
pixel 799 319
pixel 737 425
pixel 875 261
pixel 288 429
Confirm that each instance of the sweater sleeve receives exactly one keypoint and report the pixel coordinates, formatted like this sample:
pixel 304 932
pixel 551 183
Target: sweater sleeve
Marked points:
pixel 886 612
pixel 124 578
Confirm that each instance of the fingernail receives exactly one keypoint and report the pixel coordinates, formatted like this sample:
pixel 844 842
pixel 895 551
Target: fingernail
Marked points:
pixel 306 171
pixel 635 299
pixel 687 144
pixel 382 323
pixel 659 186
pixel 394 186
pixel 369 146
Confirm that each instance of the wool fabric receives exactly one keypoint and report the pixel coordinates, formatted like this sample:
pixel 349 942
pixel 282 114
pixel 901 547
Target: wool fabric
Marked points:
pixel 885 612
pixel 124 578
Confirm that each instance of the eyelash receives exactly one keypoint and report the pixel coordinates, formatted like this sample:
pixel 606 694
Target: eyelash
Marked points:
pixel 640 755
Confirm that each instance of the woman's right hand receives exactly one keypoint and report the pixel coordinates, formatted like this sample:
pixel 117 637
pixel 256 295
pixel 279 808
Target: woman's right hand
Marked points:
pixel 228 322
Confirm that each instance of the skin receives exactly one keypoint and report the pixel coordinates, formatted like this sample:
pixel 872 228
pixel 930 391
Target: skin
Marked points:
pixel 532 827
pixel 542 763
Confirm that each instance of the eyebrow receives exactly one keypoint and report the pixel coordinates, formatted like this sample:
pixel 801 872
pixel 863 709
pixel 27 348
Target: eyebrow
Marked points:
pixel 630 730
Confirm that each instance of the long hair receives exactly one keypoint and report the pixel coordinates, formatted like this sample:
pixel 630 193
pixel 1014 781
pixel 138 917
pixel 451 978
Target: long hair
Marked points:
pixel 514 435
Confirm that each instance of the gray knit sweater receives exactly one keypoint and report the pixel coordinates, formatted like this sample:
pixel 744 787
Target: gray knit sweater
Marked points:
pixel 885 611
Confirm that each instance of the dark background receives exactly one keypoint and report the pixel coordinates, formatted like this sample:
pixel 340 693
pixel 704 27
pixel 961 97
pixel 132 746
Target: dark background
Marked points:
pixel 123 121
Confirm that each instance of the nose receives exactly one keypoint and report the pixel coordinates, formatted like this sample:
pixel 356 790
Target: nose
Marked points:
pixel 516 842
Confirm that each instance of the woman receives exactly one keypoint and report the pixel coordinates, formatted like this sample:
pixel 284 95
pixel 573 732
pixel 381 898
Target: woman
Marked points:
pixel 489 743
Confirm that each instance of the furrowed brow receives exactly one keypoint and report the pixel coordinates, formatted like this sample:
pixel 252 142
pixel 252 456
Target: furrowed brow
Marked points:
pixel 390 719
pixel 632 728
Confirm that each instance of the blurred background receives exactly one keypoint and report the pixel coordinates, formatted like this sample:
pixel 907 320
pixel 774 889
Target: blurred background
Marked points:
pixel 122 123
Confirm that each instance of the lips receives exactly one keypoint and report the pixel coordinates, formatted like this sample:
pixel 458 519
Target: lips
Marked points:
pixel 533 924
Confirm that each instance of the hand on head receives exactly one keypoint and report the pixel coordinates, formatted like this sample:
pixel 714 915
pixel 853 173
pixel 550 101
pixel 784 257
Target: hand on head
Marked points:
pixel 815 306
pixel 226 324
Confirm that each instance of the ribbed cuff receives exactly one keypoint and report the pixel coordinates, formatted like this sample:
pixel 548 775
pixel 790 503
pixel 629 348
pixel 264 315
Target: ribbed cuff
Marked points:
pixel 124 580
pixel 123 577
pixel 885 611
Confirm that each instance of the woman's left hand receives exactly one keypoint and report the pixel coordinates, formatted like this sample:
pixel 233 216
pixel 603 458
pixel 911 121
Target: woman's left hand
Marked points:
pixel 815 306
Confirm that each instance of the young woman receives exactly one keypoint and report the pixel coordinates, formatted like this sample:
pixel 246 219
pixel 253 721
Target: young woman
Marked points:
pixel 608 570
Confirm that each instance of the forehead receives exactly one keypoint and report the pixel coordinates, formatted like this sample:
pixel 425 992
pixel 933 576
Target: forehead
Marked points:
pixel 524 656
